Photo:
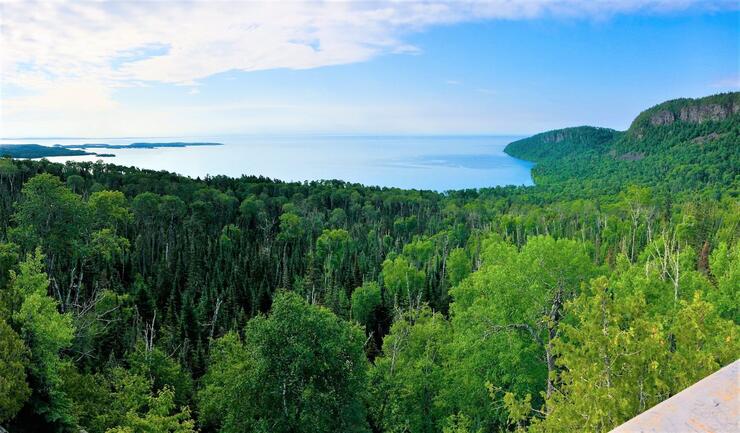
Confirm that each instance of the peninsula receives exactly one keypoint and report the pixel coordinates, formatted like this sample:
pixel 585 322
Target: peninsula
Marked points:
pixel 41 151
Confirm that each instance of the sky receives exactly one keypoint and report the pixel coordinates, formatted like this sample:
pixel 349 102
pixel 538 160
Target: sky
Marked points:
pixel 159 68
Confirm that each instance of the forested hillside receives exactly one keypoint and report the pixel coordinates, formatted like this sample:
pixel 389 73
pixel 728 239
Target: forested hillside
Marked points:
pixel 684 147
pixel 141 301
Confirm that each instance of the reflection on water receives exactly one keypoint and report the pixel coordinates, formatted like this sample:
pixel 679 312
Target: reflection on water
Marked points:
pixel 423 162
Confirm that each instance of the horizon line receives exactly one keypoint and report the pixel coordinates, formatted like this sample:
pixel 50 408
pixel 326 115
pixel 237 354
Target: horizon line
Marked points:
pixel 296 134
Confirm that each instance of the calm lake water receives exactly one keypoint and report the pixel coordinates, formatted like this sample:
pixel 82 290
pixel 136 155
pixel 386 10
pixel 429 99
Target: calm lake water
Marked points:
pixel 422 162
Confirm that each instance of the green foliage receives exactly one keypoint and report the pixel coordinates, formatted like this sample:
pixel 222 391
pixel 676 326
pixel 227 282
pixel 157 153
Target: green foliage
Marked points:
pixel 332 248
pixel 14 390
pixel 459 424
pixel 365 301
pixel 92 404
pixel 619 359
pixel 109 209
pixel 506 315
pixel 8 259
pixel 409 376
pixel 608 362
pixel 106 247
pixel 122 401
pixel 51 216
pixel 419 252
pixel 725 266
pixel 229 363
pixel 458 266
pixel 704 342
pixel 298 369
pixel 567 306
pixel 291 227
pixel 162 371
pixel 403 282
pixel 561 143
pixel 684 150
pixel 159 418
pixel 46 333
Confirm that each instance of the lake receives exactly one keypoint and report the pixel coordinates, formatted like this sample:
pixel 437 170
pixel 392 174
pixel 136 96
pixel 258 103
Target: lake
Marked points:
pixel 421 162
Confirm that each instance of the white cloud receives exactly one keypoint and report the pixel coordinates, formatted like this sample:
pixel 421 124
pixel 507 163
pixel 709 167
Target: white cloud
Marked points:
pixel 94 40
pixel 73 55
pixel 729 83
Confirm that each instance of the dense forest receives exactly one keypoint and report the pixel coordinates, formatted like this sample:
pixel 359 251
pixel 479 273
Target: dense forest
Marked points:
pixel 141 301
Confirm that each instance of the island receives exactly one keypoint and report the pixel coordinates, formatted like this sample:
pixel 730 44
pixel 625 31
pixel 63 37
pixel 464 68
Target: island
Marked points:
pixel 40 151
pixel 143 145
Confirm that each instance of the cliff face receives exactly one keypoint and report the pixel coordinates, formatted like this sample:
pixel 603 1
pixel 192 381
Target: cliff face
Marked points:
pixel 696 113
pixel 664 117
pixel 556 136
pixel 715 108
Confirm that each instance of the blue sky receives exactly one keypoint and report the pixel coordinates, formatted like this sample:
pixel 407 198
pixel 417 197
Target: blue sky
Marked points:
pixel 376 68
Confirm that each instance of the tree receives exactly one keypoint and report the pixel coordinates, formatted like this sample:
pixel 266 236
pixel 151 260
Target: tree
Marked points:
pixel 703 342
pixel 91 398
pixel 608 363
pixel 458 266
pixel 419 252
pixel 252 210
pixel 403 282
pixel 229 361
pixel 46 333
pixel 638 204
pixel 506 316
pixel 408 377
pixel 300 369
pixel 561 267
pixel 459 423
pixel 365 301
pixel 291 228
pixel 51 216
pixel 109 209
pixel 291 232
pixel 620 358
pixel 331 248
pixel 725 266
pixel 8 259
pixel 14 390
pixel 159 418
pixel 119 401
pixel 76 183
pixel 162 371
pixel 104 251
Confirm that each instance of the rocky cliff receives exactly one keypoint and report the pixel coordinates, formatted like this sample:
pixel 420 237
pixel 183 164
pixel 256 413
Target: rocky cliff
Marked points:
pixel 713 108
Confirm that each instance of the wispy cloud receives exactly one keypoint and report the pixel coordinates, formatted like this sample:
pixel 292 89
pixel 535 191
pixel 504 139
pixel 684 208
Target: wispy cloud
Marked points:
pixel 729 83
pixel 171 42
pixel 75 54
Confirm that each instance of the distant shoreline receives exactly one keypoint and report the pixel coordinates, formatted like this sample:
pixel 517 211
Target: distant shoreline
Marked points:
pixel 41 151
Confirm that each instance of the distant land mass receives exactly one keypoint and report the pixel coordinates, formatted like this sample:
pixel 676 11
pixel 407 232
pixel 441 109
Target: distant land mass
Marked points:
pixel 39 151
pixel 675 144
